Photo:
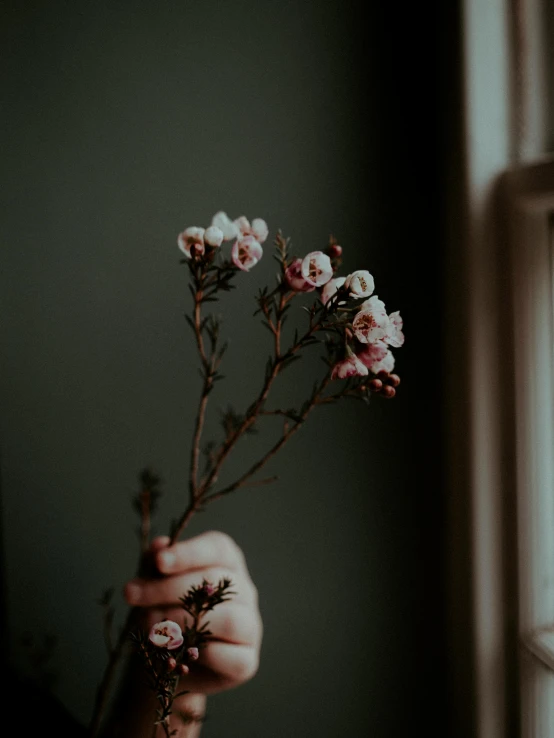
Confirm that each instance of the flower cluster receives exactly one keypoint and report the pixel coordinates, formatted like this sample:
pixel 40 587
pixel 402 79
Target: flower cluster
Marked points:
pixel 346 318
pixel 169 650
pixel 371 331
pixel 248 237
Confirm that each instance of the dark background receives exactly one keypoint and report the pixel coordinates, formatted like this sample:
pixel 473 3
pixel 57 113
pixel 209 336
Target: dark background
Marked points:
pixel 123 123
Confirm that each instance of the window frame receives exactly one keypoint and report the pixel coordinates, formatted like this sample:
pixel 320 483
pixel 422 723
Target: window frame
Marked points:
pixel 529 199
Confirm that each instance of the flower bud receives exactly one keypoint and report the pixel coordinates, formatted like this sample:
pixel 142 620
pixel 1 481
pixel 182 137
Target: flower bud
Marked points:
pixel 394 379
pixel 192 653
pixel 183 669
pixel 209 589
pixel 376 385
pixel 171 664
pixel 335 251
pixel 388 391
pixel 213 236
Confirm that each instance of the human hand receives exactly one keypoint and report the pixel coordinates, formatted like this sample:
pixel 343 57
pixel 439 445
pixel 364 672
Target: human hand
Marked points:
pixel 232 655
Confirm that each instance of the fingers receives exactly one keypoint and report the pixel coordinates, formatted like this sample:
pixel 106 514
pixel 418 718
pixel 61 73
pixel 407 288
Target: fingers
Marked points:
pixel 168 590
pixel 221 666
pixel 229 622
pixel 207 550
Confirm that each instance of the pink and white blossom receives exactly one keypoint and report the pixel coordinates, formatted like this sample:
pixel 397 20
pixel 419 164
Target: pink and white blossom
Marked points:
pixel 316 268
pixel 295 280
pixel 376 357
pixel 395 337
pixel 192 237
pixel 385 365
pixel 243 225
pixel 213 236
pixel 371 323
pixel 360 283
pixel 222 221
pixel 351 366
pixel 331 288
pixel 260 231
pixel 166 634
pixel 246 253
pixel 258 228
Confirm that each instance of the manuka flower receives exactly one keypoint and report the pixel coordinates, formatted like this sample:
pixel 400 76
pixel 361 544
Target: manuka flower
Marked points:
pixel 295 280
pixel 330 289
pixel 246 253
pixel 376 357
pixel 350 366
pixel 213 236
pixel 360 283
pixel 229 229
pixel 191 238
pixel 371 323
pixel 166 634
pixel 316 268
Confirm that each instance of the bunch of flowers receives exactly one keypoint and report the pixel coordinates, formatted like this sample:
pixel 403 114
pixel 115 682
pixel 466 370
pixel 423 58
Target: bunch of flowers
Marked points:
pixel 169 650
pixel 345 318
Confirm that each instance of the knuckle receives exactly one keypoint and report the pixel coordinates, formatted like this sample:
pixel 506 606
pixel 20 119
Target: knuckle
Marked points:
pixel 227 549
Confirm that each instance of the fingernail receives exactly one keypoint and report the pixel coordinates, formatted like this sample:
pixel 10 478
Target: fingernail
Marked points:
pixel 133 593
pixel 167 559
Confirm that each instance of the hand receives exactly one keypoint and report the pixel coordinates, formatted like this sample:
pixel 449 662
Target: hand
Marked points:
pixel 232 656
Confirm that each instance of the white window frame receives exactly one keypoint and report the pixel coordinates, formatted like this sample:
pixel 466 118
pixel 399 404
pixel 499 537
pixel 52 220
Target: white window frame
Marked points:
pixel 530 203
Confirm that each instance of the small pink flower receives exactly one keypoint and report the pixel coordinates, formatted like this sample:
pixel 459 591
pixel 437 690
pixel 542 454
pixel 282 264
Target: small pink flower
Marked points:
pixel 209 589
pixel 316 268
pixel 395 337
pixel 246 253
pixel 258 228
pixel 260 231
pixel 360 283
pixel 191 237
pixel 213 236
pixel 222 221
pixel 193 653
pixel 331 288
pixel 295 280
pixel 371 323
pixel 385 365
pixel 351 366
pixel 243 225
pixel 166 634
pixel 376 357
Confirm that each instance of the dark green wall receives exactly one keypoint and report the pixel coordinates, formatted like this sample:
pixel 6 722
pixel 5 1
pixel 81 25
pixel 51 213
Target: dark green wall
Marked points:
pixel 122 123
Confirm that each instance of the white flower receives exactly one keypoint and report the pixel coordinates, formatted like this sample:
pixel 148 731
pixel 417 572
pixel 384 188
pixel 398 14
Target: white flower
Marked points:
pixel 222 221
pixel 371 323
pixel 246 253
pixel 260 230
pixel 395 337
pixel 243 225
pixel 166 634
pixel 213 236
pixel 191 237
pixel 351 366
pixel 376 357
pixel 331 288
pixel 294 278
pixel 360 283
pixel 316 268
